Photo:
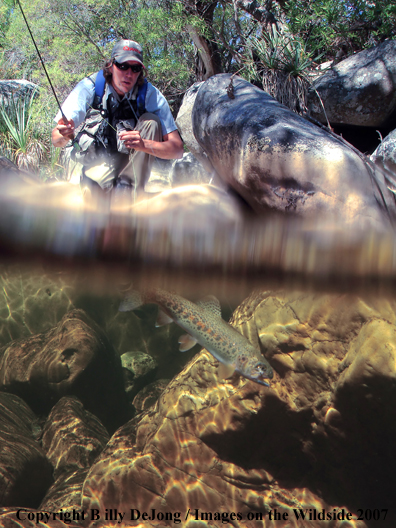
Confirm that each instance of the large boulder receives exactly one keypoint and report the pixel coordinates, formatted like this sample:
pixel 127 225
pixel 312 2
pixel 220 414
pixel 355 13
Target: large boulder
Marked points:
pixel 360 90
pixel 73 358
pixel 66 492
pixel 25 472
pixel 280 162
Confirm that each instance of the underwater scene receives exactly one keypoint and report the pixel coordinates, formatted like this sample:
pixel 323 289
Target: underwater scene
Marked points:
pixel 128 400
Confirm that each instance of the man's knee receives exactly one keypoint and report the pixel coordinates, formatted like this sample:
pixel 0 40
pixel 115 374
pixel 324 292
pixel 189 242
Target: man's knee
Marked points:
pixel 149 125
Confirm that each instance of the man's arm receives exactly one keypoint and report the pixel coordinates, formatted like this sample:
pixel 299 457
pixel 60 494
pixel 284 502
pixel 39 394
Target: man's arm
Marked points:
pixel 171 146
pixel 62 133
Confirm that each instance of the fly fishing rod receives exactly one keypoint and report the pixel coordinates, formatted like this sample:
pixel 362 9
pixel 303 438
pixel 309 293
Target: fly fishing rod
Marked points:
pixel 66 121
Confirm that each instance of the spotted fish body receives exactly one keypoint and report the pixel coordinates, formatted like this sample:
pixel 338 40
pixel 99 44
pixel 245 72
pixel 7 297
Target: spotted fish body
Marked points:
pixel 203 323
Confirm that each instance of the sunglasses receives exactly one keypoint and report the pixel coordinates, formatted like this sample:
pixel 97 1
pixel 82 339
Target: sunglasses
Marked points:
pixel 124 66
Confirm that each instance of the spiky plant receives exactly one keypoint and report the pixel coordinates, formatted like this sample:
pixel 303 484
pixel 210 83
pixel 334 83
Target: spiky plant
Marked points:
pixel 18 134
pixel 282 64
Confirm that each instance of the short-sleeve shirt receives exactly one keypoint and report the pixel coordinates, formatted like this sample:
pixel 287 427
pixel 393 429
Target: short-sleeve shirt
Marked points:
pixel 78 103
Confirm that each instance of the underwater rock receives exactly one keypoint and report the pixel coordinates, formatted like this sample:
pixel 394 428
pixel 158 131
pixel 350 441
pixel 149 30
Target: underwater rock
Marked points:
pixel 335 359
pixel 7 166
pixel 72 436
pixel 139 369
pixel 73 358
pixel 360 90
pixel 25 472
pixel 66 492
pixel 147 397
pixel 280 162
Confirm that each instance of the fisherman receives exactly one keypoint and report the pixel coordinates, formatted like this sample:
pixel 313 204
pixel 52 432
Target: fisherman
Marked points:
pixel 121 133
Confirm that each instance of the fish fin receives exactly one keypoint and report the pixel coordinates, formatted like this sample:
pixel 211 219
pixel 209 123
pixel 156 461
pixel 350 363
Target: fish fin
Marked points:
pixel 211 304
pixel 225 371
pixel 186 342
pixel 163 319
pixel 131 301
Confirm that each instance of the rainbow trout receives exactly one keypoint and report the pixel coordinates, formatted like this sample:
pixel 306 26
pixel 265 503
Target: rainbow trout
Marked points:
pixel 203 322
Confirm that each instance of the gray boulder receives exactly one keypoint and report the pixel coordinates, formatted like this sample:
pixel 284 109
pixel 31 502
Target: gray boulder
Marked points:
pixel 280 162
pixel 15 89
pixel 189 171
pixel 360 90
pixel 385 153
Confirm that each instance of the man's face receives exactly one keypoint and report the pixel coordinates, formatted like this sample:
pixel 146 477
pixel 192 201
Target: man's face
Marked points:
pixel 123 81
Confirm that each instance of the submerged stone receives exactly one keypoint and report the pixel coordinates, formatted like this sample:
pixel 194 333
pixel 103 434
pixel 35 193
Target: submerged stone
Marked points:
pixel 73 358
pixel 25 473
pixel 72 436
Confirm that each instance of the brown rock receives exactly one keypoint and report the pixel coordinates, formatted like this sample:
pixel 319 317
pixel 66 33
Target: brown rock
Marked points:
pixel 147 397
pixel 66 492
pixel 335 359
pixel 74 357
pixel 72 436
pixel 25 473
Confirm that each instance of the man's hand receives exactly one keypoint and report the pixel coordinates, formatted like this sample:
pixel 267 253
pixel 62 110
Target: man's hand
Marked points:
pixel 132 139
pixel 63 132
pixel 171 146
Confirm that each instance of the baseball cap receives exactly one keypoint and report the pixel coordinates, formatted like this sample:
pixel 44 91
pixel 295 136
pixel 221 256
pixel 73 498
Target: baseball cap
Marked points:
pixel 127 50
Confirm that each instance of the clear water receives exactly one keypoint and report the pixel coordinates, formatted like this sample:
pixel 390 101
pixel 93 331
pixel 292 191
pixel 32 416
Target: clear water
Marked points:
pixel 168 442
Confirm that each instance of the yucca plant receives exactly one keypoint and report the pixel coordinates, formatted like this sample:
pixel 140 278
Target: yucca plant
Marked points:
pixel 19 136
pixel 282 64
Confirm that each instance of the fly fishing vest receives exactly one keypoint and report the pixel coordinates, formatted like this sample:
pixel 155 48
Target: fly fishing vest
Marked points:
pixel 98 135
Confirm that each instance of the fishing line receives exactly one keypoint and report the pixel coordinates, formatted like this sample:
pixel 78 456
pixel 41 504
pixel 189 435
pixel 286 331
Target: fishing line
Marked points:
pixel 66 121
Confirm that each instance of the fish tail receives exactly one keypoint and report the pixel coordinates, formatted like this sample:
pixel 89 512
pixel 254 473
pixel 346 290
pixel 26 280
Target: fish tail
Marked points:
pixel 132 301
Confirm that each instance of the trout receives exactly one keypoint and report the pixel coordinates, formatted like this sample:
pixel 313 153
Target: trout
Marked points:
pixel 204 325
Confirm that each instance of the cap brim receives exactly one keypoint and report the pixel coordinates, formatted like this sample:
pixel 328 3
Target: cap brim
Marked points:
pixel 124 57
